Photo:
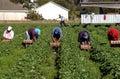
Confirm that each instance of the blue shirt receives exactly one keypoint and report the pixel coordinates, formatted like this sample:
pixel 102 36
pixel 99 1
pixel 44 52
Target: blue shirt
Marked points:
pixel 59 30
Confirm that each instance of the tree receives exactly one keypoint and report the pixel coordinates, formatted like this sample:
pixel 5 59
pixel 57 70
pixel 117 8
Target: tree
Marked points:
pixel 33 15
pixel 41 2
pixel 15 1
pixel 28 5
pixel 19 1
pixel 76 2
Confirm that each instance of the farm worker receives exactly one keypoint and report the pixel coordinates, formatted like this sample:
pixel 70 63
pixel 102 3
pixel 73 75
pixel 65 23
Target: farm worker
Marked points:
pixel 113 34
pixel 84 37
pixel 56 37
pixel 33 33
pixel 8 34
pixel 62 20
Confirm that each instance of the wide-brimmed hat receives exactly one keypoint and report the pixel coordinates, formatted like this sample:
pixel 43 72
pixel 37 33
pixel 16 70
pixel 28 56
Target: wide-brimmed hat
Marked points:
pixel 9 28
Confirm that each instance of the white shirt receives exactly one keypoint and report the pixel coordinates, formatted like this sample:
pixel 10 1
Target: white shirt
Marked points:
pixel 61 18
pixel 8 35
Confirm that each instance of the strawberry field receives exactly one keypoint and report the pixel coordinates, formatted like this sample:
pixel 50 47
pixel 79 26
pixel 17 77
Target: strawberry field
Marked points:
pixel 39 62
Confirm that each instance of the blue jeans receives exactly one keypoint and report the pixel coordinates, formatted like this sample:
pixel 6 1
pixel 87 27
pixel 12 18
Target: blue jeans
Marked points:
pixel 62 23
pixel 27 36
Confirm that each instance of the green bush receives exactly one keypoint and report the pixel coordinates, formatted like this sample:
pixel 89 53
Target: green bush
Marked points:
pixel 33 15
pixel 74 15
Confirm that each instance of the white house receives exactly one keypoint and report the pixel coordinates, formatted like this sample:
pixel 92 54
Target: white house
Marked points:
pixel 51 10
pixel 11 11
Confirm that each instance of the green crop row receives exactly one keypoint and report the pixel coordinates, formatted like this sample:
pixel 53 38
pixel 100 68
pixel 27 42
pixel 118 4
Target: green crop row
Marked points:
pixel 35 62
pixel 39 62
pixel 102 53
pixel 74 63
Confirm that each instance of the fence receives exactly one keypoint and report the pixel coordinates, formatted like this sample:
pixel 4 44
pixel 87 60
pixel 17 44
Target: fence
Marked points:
pixel 100 18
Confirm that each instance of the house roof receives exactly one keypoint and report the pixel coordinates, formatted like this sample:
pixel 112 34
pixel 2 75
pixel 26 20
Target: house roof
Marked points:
pixel 56 5
pixel 7 5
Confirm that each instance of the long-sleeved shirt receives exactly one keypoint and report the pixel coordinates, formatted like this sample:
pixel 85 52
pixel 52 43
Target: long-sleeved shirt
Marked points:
pixel 60 31
pixel 113 34
pixel 32 33
pixel 8 35
pixel 81 37
pixel 61 18
pixel 57 35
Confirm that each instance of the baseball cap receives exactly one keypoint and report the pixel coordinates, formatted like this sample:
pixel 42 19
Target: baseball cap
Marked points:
pixel 85 35
pixel 56 31
pixel 37 31
pixel 9 28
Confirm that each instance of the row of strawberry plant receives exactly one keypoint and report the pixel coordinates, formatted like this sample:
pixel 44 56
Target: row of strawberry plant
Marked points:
pixel 37 62
pixel 10 51
pixel 104 54
pixel 74 63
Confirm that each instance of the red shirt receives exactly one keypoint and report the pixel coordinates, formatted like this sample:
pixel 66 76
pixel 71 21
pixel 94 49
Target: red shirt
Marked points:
pixel 113 34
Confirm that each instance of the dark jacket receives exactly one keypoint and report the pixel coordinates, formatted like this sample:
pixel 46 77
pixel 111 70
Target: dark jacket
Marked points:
pixel 83 37
pixel 32 33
